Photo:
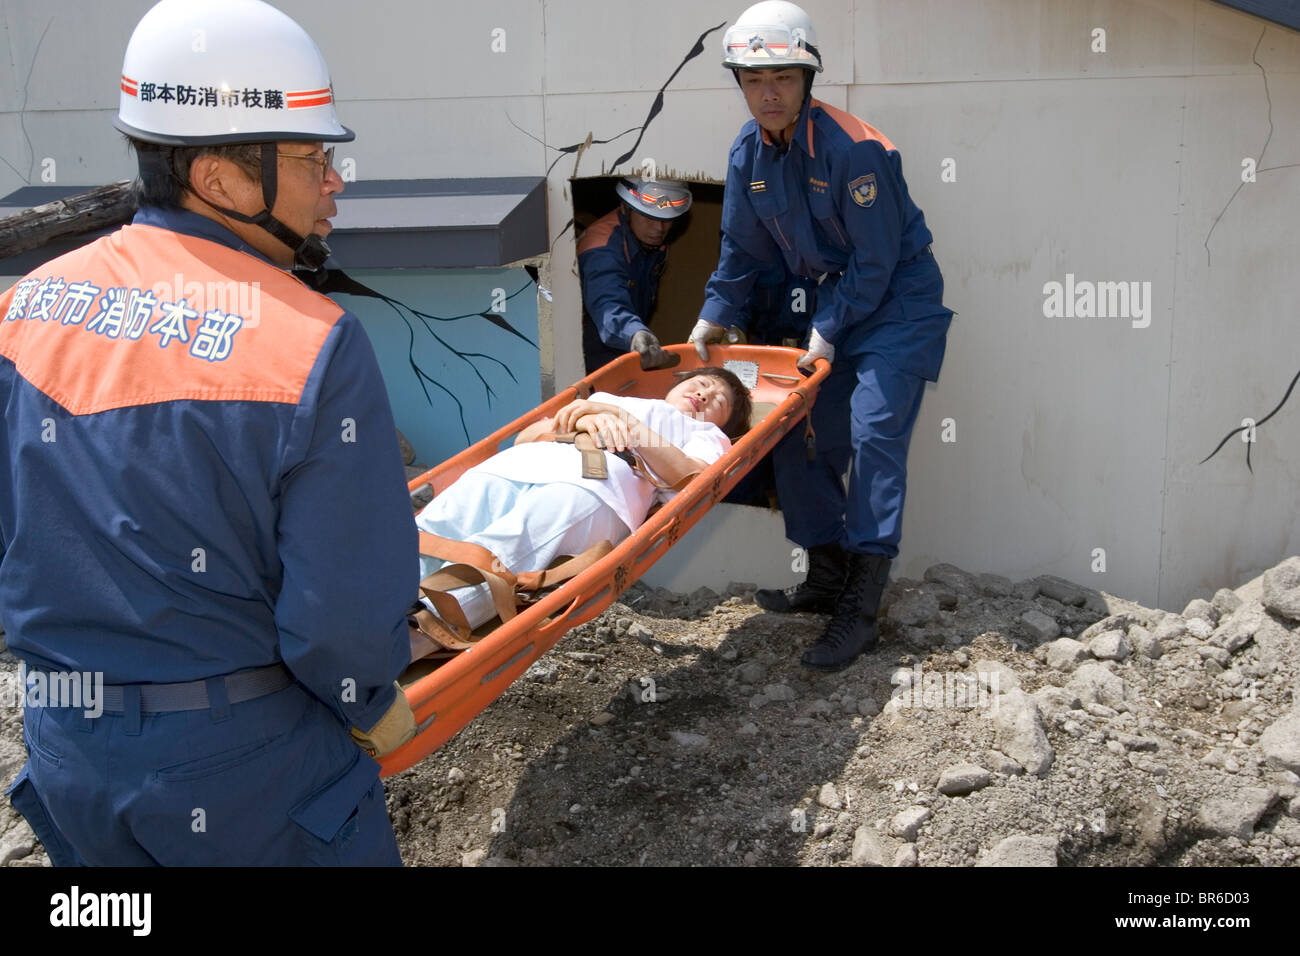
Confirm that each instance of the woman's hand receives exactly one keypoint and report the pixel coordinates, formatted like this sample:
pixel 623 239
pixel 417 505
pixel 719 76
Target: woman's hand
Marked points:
pixel 535 430
pixel 609 431
pixel 567 417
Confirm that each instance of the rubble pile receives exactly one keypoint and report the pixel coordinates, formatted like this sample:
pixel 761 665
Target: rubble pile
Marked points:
pixel 998 723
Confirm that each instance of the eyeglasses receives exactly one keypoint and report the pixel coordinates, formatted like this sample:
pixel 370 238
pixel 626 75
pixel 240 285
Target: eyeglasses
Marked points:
pixel 325 161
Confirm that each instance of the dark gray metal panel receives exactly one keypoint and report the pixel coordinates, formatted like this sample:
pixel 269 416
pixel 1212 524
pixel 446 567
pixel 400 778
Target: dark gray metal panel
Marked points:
pixel 385 224
pixel 1285 12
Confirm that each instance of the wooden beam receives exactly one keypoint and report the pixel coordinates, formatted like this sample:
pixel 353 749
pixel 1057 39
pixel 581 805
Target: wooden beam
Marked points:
pixel 109 205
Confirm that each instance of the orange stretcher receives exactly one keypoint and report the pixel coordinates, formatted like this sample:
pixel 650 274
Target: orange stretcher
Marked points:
pixel 446 696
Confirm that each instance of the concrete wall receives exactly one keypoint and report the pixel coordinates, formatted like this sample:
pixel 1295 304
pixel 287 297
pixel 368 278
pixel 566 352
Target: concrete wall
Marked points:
pixel 1072 434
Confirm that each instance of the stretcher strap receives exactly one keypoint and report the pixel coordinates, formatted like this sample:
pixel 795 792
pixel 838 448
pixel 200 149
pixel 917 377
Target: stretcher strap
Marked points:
pixel 464 552
pixel 593 461
pixel 454 576
pixel 643 471
pixel 593 458
pixel 537 580
pixel 429 631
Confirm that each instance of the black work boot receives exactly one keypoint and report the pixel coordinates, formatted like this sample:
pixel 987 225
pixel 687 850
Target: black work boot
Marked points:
pixel 853 628
pixel 819 592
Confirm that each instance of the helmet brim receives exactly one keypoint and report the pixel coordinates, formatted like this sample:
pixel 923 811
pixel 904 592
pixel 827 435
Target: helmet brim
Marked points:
pixel 251 136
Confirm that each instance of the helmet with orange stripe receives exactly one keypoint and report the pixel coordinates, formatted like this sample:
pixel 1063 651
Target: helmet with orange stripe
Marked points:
pixel 771 34
pixel 656 198
pixel 224 71
pixel 210 76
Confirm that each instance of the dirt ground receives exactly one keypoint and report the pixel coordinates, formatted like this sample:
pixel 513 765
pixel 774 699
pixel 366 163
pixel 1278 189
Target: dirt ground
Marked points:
pixel 681 730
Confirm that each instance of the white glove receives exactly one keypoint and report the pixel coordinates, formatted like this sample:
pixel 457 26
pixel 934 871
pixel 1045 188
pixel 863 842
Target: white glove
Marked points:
pixel 818 347
pixel 703 335
pixel 708 333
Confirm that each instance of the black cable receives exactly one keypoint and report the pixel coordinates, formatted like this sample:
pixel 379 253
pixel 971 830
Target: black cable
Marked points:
pixel 1243 428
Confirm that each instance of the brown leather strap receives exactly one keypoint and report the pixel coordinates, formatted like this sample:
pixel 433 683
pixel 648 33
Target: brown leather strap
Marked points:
pixel 453 576
pixel 436 630
pixel 463 552
pixel 593 458
pixel 642 470
pixel 594 466
pixel 536 580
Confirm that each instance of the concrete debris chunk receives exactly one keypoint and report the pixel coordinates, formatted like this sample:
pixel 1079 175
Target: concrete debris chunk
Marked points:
pixel 959 780
pixel 952 577
pixel 1237 814
pixel 1022 850
pixel 1065 654
pixel 994 676
pixel 1020 734
pixel 1282 589
pixel 1116 622
pixel 1236 630
pixel 994 585
pixel 1059 589
pixel 1281 743
pixel 870 848
pixel 1144 643
pixel 1056 700
pixel 1170 628
pixel 906 824
pixel 1041 627
pixel 1110 646
pixel 829 798
pixel 1094 683
pixel 1001 763
pixel 1225 602
pixel 914 609
pixel 906 855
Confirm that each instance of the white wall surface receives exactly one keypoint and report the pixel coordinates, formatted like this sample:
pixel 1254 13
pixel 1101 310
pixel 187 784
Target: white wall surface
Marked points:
pixel 1072 434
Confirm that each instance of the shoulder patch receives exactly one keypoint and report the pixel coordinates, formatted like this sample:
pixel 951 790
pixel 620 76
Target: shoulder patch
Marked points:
pixel 863 189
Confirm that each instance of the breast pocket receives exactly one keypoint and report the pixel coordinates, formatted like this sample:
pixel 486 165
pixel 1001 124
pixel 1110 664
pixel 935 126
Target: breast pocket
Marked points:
pixel 827 218
pixel 768 203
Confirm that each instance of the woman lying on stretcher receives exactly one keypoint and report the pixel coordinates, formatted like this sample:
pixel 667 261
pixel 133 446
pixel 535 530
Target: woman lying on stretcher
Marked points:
pixel 530 503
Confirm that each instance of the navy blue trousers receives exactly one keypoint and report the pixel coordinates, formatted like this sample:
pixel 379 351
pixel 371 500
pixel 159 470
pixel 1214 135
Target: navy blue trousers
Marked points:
pixel 271 781
pixel 863 415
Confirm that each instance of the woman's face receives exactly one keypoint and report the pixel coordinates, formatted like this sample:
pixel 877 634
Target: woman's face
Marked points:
pixel 704 398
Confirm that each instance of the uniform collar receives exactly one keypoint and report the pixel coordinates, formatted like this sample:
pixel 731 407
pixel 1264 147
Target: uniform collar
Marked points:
pixel 192 224
pixel 803 129
pixel 631 243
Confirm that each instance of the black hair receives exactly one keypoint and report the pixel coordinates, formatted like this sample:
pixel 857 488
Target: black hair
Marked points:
pixel 165 170
pixel 742 406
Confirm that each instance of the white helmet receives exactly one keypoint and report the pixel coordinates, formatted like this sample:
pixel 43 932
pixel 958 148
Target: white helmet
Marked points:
pixel 205 72
pixel 773 33
pixel 656 198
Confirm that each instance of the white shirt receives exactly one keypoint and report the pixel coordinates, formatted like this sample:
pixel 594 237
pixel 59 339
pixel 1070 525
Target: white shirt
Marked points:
pixel 630 496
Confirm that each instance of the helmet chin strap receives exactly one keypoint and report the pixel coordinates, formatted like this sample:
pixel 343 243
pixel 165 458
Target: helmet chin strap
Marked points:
pixel 309 252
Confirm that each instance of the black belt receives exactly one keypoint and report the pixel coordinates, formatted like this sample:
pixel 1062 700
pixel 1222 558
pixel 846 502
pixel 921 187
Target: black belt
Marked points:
pixel 193 695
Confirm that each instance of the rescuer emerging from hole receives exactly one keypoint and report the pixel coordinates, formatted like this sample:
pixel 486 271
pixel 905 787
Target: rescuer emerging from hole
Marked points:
pixel 620 259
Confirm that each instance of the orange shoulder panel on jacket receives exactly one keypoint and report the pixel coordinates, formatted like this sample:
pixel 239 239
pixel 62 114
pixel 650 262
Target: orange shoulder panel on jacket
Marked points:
pixel 856 129
pixel 598 232
pixel 149 315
